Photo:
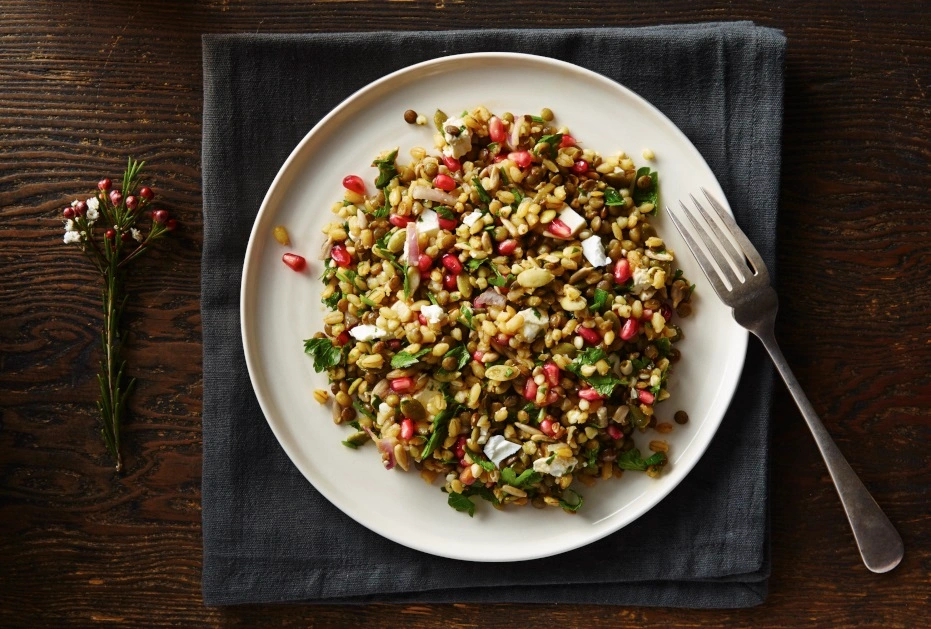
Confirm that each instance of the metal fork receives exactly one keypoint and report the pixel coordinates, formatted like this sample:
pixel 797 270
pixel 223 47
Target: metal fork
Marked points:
pixel 741 280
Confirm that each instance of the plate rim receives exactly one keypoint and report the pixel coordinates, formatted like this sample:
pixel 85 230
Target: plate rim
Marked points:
pixel 742 339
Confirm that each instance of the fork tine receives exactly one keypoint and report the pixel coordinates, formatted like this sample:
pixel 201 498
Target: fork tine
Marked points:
pixel 737 259
pixel 703 260
pixel 724 269
pixel 756 261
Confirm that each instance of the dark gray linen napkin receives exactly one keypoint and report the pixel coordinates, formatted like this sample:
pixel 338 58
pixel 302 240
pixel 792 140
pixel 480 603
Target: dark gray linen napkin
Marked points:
pixel 270 536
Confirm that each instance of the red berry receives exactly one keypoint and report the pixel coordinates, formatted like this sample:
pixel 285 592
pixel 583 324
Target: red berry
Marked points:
pixel 296 262
pixel 448 224
pixel 110 234
pixel 407 428
pixel 496 130
pixel 444 182
pixel 452 263
pixel 146 193
pixel 449 282
pixel 115 197
pixel 452 164
pixel 622 271
pixel 68 212
pixel 354 183
pixel 507 247
pixel 559 229
pixel 80 208
pixel 630 329
pixel 132 202
pixel 424 263
pixel 343 337
pixel 580 167
pixel 104 184
pixel 340 256
pixel 645 396
pixel 125 237
pixel 589 335
pixel 171 225
pixel 521 158
pixel 159 216
pixel 399 221
pixel 566 141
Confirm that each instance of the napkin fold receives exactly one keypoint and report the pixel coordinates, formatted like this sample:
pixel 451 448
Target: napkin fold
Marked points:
pixel 269 535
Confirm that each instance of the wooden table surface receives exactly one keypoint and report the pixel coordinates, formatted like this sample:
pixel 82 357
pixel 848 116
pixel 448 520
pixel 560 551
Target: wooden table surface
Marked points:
pixel 83 85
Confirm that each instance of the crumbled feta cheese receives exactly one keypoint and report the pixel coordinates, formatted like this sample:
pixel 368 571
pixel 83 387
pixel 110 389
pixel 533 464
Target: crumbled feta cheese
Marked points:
pixel 642 281
pixel 594 251
pixel 457 145
pixel 534 323
pixel 432 313
pixel 471 218
pixel 498 448
pixel 428 223
pixel 559 466
pixel 366 332
pixel 572 219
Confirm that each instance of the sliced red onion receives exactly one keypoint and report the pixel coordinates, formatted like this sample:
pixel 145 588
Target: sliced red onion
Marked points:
pixel 514 136
pixel 385 446
pixel 433 194
pixel 490 297
pixel 411 246
pixel 325 249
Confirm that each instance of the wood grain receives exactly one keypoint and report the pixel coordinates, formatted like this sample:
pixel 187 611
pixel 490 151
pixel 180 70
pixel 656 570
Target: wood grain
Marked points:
pixel 84 85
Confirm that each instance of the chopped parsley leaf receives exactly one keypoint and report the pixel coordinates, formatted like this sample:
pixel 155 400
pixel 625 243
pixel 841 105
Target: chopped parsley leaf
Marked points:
pixel 602 298
pixel 569 506
pixel 402 360
pixel 527 477
pixel 325 354
pixel 650 194
pixel 387 170
pixel 632 460
pixel 461 503
pixel 483 195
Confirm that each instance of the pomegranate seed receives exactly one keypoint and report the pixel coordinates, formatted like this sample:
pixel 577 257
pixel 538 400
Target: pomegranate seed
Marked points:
pixel 552 372
pixel 614 432
pixel 500 157
pixel 666 311
pixel 530 390
pixel 452 164
pixel 452 263
pixel 424 263
pixel 296 262
pixel 115 197
pixel 132 202
pixel 68 212
pixel 566 141
pixel 407 428
pixel 551 397
pixel 559 229
pixel 460 447
pixel 110 234
pixel 80 208
pixel 402 385
pixel 647 314
pixel 171 225
pixel 399 221
pixel 449 282
pixel 496 130
pixel 645 396
pixel 590 394
pixel 547 426
pixel 521 158
pixel 502 339
pixel 507 247
pixel 159 216
pixel 580 167
pixel 354 183
pixel 394 345
pixel 448 224
pixel 444 182
pixel 464 462
pixel 622 271
pixel 422 320
pixel 590 335
pixel 477 356
pixel 343 337
pixel 340 256
pixel 630 329
pixel 104 184
pixel 466 476
pixel 146 193
pixel 281 235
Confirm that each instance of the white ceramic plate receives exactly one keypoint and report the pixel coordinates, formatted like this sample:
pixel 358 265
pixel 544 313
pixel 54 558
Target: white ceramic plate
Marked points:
pixel 280 308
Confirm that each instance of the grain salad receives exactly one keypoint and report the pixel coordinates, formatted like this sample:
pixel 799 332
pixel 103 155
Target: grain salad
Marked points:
pixel 502 315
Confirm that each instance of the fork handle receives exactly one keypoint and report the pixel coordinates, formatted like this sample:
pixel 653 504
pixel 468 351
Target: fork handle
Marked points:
pixel 880 544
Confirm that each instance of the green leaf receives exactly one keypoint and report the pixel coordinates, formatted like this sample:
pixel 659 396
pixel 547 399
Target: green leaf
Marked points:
pixel 604 385
pixel 387 170
pixel 407 282
pixel 613 197
pixel 461 503
pixel 649 194
pixel 498 279
pixel 368 302
pixel 537 119
pixel 678 274
pixel 504 175
pixel 402 360
pixel 527 477
pixel 591 457
pixel 445 212
pixel 482 492
pixel 359 406
pixel 569 506
pixel 432 299
pixel 602 299
pixel 663 346
pixel 552 140
pixel 632 460
pixel 331 301
pixel 324 353
pixel 461 354
pixel 439 427
pixel 482 193
pixel 382 243
pixel 383 211
pixel 350 444
pixel 488 466
pixel 466 313
pixel 641 363
pixel 518 195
